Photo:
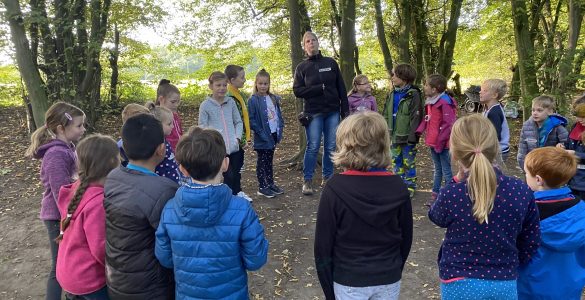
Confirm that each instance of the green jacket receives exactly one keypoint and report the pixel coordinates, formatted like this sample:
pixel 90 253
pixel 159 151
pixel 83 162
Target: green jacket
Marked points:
pixel 408 117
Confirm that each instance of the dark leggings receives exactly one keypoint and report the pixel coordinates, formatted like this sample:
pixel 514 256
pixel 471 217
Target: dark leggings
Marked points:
pixel 264 169
pixel 232 176
pixel 53 287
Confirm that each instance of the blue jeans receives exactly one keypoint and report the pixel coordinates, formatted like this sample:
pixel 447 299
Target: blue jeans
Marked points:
pixel 442 162
pixel 378 292
pixel 53 288
pixel 323 124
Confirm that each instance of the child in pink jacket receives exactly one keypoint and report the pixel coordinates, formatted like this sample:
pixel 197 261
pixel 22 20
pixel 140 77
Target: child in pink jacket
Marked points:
pixel 440 114
pixel 81 259
pixel 360 97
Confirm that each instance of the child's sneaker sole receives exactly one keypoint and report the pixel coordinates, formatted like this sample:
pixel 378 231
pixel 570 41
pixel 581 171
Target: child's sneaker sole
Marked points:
pixel 265 195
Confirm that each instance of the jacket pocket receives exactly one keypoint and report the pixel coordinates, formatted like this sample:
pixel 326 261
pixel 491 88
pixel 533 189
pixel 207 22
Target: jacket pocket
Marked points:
pixel 402 127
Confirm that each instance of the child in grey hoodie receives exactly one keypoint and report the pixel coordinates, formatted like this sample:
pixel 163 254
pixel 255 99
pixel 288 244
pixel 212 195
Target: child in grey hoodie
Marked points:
pixel 221 113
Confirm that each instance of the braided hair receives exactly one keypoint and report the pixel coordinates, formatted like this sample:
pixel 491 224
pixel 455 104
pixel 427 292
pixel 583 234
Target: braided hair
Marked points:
pixel 97 156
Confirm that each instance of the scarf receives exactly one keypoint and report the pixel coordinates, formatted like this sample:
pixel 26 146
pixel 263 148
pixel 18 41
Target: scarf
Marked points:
pixel 577 131
pixel 244 110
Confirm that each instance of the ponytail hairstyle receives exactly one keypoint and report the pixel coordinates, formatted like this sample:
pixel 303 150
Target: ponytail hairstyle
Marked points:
pixel 261 73
pixel 165 89
pixel 97 156
pixel 474 144
pixel 161 113
pixel 59 114
pixel 357 80
pixel 231 71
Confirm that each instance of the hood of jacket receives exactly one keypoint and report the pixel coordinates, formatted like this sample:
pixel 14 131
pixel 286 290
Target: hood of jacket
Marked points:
pixel 367 202
pixel 59 144
pixel 67 192
pixel 565 232
pixel 557 120
pixel 202 205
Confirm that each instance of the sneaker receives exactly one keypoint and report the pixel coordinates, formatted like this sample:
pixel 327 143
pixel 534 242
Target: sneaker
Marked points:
pixel 266 192
pixel 276 189
pixel 308 187
pixel 243 195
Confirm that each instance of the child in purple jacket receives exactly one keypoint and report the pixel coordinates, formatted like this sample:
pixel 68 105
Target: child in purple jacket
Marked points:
pixel 360 97
pixel 52 143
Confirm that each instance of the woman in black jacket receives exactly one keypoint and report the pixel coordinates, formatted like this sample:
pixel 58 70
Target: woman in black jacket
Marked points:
pixel 318 81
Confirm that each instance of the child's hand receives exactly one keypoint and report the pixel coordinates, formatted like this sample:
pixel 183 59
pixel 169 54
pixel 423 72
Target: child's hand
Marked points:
pixel 572 152
pixel 560 145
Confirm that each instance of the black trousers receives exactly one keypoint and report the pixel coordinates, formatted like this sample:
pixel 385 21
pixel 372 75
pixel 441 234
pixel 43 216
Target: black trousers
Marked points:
pixel 232 176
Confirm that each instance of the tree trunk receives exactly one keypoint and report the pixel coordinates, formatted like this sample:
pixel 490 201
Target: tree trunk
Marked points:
pixel 26 64
pixel 525 52
pixel 114 54
pixel 404 35
pixel 381 33
pixel 422 45
pixel 566 65
pixel 347 41
pixel 449 38
pixel 356 61
pixel 514 93
pixel 299 23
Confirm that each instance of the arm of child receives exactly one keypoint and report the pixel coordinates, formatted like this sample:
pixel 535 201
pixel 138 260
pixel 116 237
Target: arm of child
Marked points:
pixel 416 114
pixel 162 246
pixel 522 149
pixel 374 104
pixel 253 114
pixel 58 170
pixel 325 230
pixel 238 124
pixel 302 91
pixel 447 117
pixel 94 227
pixel 529 238
pixel 253 244
pixel 497 120
pixel 562 134
pixel 155 213
pixel 405 217
pixel 439 213
pixel 203 116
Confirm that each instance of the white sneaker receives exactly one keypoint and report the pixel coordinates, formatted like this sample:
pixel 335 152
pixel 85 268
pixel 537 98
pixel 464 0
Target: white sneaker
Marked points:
pixel 243 195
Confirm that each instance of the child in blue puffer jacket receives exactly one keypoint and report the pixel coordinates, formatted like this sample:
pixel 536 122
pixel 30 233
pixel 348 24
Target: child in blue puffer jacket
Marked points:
pixel 557 271
pixel 207 235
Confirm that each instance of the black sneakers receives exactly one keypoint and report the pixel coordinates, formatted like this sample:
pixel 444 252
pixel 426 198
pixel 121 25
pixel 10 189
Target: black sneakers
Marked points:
pixel 266 192
pixel 276 189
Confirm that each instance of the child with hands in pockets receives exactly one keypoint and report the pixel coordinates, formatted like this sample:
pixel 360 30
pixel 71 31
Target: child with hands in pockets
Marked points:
pixel 268 125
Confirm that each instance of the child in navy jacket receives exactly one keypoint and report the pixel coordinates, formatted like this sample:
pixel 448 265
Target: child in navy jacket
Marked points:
pixel 268 125
pixel 491 219
pixel 557 271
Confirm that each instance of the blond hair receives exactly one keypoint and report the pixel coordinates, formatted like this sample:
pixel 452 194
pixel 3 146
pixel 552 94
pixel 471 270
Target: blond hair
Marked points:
pixel 161 113
pixel 357 80
pixel 59 114
pixel 363 142
pixel 133 109
pixel 555 165
pixel 544 101
pixel 474 144
pixel 497 85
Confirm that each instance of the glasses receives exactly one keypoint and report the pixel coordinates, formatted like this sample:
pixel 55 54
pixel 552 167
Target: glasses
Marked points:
pixel 364 83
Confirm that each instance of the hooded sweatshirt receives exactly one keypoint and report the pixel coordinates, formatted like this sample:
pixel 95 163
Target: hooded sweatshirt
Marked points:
pixel 557 271
pixel 363 233
pixel 58 168
pixel 81 267
pixel 210 238
pixel 224 118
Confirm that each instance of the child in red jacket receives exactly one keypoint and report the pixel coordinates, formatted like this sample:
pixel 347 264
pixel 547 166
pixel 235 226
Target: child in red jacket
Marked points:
pixel 81 267
pixel 440 114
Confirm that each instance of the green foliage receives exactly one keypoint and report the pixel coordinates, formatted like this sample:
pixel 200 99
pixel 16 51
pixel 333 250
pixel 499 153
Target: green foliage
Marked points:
pixel 10 86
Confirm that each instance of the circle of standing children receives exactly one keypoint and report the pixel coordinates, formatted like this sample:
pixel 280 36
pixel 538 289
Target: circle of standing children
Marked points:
pixel 161 214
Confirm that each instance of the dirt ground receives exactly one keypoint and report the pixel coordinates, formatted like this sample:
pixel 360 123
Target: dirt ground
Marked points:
pixel 289 220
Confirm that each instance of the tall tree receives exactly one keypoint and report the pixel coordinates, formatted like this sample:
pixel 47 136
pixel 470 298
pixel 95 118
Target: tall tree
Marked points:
pixel 381 34
pixel 575 22
pixel 26 63
pixel 525 52
pixel 299 23
pixel 405 17
pixel 347 41
pixel 448 39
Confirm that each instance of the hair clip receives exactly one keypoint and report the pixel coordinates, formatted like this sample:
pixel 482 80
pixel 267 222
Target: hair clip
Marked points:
pixel 68 116
pixel 477 151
